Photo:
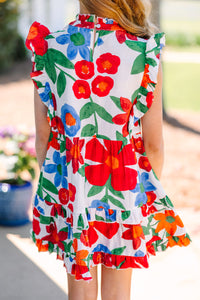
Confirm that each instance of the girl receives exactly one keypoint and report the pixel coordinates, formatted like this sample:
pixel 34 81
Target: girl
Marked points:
pixel 100 146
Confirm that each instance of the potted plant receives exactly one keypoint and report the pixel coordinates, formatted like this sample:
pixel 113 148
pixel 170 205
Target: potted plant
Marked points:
pixel 17 170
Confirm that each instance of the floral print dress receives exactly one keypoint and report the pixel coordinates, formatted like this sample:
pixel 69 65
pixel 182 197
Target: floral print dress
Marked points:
pixel 98 199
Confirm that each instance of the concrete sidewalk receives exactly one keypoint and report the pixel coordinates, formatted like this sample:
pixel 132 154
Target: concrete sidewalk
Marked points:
pixel 26 274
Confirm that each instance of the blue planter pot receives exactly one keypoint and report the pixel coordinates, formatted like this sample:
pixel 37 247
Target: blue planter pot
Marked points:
pixel 15 202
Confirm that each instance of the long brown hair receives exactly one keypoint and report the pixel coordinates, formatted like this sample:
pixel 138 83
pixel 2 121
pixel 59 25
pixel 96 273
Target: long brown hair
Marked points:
pixel 132 15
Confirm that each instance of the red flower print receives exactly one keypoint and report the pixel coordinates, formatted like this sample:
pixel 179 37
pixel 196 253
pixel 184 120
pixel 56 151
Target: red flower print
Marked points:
pixel 53 141
pixel 36 36
pixel 36 226
pixel 112 161
pixel 56 209
pixel 89 237
pixel 122 35
pixel 84 69
pixel 138 145
pixel 54 101
pixel 121 119
pixel 150 246
pixel 107 229
pixel 108 63
pixel 149 208
pixel 55 237
pixel 144 163
pixel 73 152
pixel 102 85
pixel 66 195
pixel 146 79
pixel 134 233
pixel 81 89
pixel 56 123
pixel 149 99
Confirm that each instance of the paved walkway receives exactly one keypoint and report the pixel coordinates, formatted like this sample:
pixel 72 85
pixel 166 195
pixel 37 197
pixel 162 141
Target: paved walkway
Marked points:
pixel 26 274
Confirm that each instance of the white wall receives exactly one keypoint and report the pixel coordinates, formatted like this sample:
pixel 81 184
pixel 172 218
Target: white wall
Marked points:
pixel 55 14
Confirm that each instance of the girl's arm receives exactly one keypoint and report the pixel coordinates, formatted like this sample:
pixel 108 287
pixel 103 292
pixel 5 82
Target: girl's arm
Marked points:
pixel 152 129
pixel 42 128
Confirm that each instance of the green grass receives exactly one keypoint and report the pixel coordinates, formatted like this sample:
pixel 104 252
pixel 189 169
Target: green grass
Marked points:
pixel 182 86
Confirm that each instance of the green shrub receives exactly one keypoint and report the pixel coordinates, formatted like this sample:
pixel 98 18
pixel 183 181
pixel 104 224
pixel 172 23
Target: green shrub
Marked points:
pixel 11 43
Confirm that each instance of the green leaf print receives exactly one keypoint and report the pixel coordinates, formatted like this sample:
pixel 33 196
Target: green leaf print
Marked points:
pixel 140 106
pixel 59 58
pixel 116 202
pixel 40 62
pixel 135 94
pixel 51 247
pixel 114 192
pixel 137 46
pixel 39 84
pixel 61 83
pixel 120 137
pixel 45 220
pixel 86 111
pixel 95 189
pixel 88 130
pixel 118 251
pixel 49 186
pixel 39 191
pixel 81 170
pixel 51 71
pixel 116 100
pixel 62 146
pixel 48 37
pixel 150 61
pixel 77 235
pixel 98 218
pixel 125 214
pixel 80 222
pixel 104 32
pixel 103 113
pixel 138 65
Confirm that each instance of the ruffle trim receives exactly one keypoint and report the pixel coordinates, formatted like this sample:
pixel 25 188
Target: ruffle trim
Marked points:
pixel 145 97
pixel 37 43
pixel 80 247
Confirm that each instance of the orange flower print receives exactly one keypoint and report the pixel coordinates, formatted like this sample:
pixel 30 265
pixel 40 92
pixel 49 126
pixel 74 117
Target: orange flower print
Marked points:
pixel 41 247
pixel 108 63
pixel 146 79
pixel 182 240
pixel 168 221
pixel 80 255
pixel 134 233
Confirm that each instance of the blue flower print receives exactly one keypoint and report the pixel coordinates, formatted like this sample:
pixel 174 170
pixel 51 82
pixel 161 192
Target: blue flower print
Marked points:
pixel 141 188
pixel 109 213
pixel 46 96
pixel 78 40
pixel 101 248
pixel 70 120
pixel 60 168
pixel 36 204
pixel 99 205
pixel 139 253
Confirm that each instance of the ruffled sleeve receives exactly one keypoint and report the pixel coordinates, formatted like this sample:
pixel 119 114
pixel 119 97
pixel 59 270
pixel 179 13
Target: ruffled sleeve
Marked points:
pixel 36 42
pixel 145 96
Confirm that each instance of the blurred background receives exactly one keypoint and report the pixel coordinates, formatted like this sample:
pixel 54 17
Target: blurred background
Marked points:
pixel 180 20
